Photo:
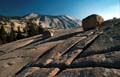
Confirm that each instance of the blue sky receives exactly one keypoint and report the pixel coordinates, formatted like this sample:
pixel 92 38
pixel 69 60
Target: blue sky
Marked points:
pixel 77 8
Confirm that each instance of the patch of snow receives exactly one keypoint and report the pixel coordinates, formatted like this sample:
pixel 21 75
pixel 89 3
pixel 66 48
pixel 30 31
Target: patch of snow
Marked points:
pixel 32 15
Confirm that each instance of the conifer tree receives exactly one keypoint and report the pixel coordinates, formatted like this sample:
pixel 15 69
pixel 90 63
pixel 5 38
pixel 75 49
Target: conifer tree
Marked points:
pixel 19 34
pixel 3 34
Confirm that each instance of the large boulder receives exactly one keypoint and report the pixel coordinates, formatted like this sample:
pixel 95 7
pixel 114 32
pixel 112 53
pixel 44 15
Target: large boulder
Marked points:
pixel 92 22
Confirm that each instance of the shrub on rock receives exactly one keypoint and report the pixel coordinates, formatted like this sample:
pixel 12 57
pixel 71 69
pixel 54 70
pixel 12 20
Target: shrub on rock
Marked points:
pixel 47 34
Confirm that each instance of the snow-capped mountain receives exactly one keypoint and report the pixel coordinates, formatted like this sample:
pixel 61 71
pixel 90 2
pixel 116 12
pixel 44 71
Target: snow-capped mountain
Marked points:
pixel 63 21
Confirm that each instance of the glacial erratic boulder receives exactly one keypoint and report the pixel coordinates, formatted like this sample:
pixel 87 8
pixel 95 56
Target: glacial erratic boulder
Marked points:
pixel 92 22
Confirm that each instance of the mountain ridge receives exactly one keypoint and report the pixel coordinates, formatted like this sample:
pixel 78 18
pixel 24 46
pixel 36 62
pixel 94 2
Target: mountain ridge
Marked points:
pixel 55 20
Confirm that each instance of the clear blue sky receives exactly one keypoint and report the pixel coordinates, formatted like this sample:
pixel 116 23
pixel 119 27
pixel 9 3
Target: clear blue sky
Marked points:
pixel 76 8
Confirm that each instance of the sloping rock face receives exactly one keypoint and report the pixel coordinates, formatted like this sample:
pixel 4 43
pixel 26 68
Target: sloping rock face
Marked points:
pixel 15 28
pixel 92 22
pixel 73 53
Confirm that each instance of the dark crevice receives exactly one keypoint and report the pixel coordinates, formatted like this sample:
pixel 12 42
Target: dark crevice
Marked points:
pixel 18 72
pixel 111 49
pixel 81 65
pixel 93 64
pixel 2 51
pixel 71 67
pixel 61 69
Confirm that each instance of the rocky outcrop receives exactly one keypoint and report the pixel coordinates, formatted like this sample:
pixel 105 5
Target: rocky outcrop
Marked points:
pixel 92 22
pixel 15 29
pixel 69 53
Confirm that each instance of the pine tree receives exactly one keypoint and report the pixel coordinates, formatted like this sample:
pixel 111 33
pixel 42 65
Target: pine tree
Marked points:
pixel 19 34
pixel 3 34
pixel 32 28
pixel 40 29
pixel 11 36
